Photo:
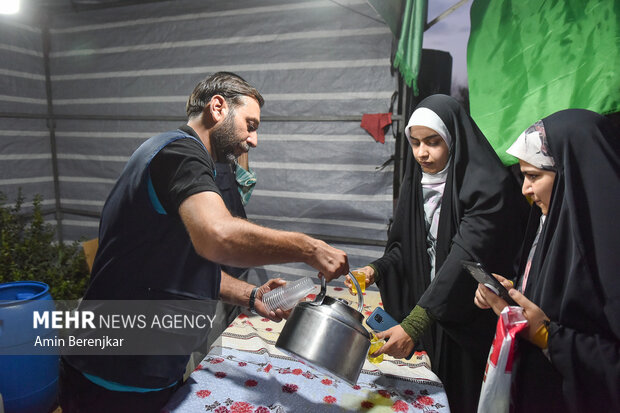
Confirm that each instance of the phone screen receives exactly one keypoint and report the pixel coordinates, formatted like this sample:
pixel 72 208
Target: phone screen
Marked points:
pixel 484 277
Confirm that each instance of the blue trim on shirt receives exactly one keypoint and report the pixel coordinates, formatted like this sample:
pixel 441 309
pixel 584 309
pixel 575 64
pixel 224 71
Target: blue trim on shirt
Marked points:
pixel 113 386
pixel 154 200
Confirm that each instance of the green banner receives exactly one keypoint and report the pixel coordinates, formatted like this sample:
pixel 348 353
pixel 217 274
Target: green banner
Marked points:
pixel 527 59
pixel 409 51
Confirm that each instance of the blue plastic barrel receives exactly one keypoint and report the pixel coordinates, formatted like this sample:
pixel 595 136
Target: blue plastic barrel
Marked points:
pixel 28 381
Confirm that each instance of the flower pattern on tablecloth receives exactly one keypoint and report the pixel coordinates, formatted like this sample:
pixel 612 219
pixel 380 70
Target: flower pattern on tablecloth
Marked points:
pixel 244 374
pixel 203 393
pixel 384 393
pixel 400 406
pixel 290 388
pixel 329 399
pixel 295 378
pixel 241 407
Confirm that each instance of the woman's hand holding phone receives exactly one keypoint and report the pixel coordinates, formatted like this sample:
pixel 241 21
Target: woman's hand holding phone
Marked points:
pixel 481 275
pixel 486 298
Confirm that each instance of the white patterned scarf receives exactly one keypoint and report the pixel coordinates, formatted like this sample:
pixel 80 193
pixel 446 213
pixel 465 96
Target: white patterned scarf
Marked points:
pixel 433 185
pixel 532 147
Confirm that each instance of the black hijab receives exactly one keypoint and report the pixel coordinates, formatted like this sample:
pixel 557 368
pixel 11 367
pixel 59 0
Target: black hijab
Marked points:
pixel 575 273
pixel 482 218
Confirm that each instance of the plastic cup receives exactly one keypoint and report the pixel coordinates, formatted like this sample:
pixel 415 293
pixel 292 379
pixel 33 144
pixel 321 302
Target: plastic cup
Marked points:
pixel 287 296
pixel 361 279
pixel 375 344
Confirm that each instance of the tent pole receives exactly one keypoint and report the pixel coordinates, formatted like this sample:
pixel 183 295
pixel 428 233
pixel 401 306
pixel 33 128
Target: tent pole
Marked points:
pixel 51 125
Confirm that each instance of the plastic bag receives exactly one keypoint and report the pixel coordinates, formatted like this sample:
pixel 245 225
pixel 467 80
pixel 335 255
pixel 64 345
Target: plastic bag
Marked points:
pixel 495 392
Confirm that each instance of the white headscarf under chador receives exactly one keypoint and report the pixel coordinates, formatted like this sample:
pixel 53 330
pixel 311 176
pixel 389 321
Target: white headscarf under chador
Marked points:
pixel 433 185
pixel 428 118
pixel 532 147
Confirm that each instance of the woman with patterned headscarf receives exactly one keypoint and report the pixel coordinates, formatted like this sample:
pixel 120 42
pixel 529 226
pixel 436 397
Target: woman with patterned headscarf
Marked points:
pixel 570 353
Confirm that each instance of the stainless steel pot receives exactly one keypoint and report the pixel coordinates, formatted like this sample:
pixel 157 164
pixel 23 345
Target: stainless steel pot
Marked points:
pixel 328 335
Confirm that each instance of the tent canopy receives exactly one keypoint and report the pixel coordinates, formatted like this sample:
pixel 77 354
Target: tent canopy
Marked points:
pixel 81 90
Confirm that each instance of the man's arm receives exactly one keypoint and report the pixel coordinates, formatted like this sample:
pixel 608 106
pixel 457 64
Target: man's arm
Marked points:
pixel 235 291
pixel 220 237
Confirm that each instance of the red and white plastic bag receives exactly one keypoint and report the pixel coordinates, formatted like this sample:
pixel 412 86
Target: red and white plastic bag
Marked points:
pixel 495 392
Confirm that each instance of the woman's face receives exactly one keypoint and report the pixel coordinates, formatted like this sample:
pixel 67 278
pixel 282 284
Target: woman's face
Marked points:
pixel 537 184
pixel 429 149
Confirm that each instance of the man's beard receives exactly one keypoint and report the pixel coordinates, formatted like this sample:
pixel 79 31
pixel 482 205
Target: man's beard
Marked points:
pixel 225 144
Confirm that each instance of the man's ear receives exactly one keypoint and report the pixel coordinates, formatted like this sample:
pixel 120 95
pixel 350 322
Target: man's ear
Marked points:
pixel 218 108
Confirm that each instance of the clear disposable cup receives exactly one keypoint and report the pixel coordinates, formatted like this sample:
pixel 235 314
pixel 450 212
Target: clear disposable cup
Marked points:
pixel 375 344
pixel 287 296
pixel 361 279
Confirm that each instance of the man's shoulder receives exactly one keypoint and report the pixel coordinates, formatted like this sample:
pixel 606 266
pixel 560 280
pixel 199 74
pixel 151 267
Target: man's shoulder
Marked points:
pixel 173 134
pixel 175 139
pixel 178 146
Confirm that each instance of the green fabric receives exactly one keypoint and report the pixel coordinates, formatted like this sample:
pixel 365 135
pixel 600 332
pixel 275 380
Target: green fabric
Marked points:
pixel 377 275
pixel 527 59
pixel 409 51
pixel 416 323
pixel 246 180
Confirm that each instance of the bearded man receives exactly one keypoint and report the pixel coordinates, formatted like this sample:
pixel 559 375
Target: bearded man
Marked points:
pixel 164 232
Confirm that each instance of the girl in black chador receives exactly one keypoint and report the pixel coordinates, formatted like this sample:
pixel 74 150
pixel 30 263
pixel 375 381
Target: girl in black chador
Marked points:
pixel 457 202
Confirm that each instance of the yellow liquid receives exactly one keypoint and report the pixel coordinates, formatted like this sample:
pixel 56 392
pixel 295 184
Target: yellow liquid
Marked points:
pixel 361 279
pixel 374 346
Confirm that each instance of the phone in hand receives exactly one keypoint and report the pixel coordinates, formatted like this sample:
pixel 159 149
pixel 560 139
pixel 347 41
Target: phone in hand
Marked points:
pixel 484 277
pixel 380 320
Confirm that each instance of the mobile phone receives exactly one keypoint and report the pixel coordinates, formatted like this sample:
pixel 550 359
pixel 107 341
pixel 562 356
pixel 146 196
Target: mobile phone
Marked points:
pixel 380 320
pixel 484 277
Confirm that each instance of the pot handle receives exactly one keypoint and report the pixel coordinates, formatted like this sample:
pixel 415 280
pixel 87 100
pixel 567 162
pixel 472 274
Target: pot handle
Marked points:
pixel 319 298
pixel 360 298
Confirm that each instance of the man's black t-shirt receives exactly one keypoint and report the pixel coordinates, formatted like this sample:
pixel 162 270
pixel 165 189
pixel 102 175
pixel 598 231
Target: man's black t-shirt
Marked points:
pixel 181 169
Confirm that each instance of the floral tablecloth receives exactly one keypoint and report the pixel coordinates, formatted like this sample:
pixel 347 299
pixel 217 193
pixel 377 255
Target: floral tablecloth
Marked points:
pixel 245 373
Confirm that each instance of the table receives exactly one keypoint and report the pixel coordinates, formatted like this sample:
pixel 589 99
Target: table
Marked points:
pixel 245 373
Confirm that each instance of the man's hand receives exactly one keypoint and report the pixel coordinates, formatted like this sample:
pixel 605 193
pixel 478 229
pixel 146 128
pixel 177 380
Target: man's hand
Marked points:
pixel 329 261
pixel 400 345
pixel 370 278
pixel 278 315
pixel 237 292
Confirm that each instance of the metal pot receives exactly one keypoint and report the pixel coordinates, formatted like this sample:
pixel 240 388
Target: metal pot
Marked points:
pixel 328 335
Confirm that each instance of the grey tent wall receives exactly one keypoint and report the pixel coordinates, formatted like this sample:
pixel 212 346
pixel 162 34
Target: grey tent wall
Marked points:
pixel 25 151
pixel 319 64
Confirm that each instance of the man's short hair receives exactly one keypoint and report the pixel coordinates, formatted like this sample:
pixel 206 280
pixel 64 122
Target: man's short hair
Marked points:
pixel 229 85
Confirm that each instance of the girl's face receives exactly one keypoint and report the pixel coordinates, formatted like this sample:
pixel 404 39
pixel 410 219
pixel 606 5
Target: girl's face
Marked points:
pixel 537 184
pixel 429 149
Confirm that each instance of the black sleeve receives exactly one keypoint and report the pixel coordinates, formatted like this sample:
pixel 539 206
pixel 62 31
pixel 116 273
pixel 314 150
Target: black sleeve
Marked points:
pixel 181 169
pixel 588 363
